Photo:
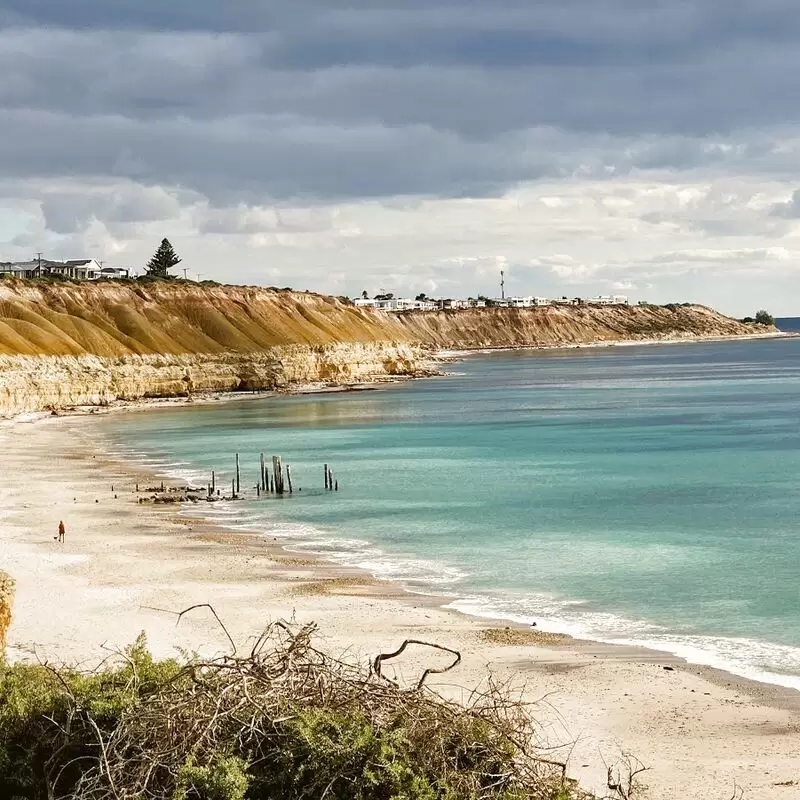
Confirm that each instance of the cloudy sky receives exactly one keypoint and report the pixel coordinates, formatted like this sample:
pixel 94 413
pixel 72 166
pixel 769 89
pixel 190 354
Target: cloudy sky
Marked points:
pixel 585 146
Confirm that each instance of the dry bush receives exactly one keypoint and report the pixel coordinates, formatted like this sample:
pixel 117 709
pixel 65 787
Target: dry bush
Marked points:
pixel 282 722
pixel 6 602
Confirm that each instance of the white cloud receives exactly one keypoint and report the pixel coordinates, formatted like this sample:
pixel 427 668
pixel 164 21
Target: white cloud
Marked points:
pixel 417 147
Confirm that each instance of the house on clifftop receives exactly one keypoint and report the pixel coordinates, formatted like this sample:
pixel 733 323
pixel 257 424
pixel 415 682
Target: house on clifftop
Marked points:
pixel 79 269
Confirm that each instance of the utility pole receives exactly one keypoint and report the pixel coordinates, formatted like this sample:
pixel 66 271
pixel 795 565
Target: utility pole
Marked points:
pixel 39 267
pixel 184 273
pixel 502 285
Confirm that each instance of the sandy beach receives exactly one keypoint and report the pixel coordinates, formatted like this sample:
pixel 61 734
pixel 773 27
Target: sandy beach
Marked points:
pixel 126 568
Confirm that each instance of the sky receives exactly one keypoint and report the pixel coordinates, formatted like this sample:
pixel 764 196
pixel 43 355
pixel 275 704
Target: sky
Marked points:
pixel 585 147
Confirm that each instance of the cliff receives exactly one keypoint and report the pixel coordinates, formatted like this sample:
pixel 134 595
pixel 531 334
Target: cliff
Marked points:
pixel 564 325
pixel 93 343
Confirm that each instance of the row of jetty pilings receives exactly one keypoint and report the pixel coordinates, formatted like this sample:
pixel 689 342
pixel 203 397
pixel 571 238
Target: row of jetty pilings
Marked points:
pixel 277 480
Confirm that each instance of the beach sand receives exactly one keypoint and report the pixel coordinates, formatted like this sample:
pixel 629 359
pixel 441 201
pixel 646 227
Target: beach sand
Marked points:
pixel 126 568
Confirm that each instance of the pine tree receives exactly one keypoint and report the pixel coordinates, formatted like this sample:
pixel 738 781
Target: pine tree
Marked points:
pixel 163 260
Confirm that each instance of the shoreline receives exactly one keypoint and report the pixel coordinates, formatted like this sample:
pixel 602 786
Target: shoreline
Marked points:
pixel 458 354
pixel 723 672
pixel 607 697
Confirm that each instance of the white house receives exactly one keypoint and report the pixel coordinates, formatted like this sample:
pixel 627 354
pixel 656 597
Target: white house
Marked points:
pixel 85 269
pixel 82 269
pixel 396 304
pixel 114 272
pixel 607 300
pixel 18 269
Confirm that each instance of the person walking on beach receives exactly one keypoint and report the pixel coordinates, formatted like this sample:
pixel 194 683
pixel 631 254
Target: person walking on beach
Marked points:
pixel 61 531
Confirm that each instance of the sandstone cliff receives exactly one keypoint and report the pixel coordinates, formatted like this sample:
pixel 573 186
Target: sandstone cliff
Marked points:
pixel 560 325
pixel 68 344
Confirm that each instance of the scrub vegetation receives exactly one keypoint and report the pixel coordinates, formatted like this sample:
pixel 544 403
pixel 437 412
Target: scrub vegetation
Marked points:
pixel 282 722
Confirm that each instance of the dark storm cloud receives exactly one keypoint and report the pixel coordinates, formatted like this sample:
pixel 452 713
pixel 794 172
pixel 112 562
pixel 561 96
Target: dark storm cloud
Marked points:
pixel 324 100
pixel 280 158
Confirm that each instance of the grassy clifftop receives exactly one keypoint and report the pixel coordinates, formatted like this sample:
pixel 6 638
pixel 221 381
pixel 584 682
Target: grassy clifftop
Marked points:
pixel 118 320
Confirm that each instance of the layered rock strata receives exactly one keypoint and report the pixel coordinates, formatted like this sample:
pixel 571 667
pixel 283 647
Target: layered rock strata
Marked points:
pixel 94 343
pixel 552 326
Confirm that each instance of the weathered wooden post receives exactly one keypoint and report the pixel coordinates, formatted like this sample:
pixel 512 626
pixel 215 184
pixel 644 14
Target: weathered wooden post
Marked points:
pixel 213 481
pixel 326 476
pixel 289 477
pixel 277 472
pixel 263 474
pixel 238 485
pixel 336 486
pixel 258 488
pixel 233 488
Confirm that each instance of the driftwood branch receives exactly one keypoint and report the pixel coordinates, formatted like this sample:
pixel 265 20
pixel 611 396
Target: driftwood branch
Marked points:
pixel 622 776
pixel 180 615
pixel 380 659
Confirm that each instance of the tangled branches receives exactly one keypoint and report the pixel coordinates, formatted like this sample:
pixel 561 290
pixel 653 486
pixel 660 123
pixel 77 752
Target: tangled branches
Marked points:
pixel 6 598
pixel 286 721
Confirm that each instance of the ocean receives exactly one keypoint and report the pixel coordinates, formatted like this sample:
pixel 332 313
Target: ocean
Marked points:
pixel 640 494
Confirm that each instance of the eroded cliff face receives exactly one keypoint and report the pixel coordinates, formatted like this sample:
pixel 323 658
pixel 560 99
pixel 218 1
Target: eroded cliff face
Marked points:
pixel 116 319
pixel 568 325
pixel 32 383
pixel 92 344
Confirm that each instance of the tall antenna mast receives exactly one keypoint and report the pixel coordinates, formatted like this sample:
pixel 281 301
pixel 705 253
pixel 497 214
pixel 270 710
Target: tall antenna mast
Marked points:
pixel 502 285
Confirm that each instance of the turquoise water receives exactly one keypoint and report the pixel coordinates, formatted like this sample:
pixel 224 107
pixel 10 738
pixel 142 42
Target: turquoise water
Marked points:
pixel 631 494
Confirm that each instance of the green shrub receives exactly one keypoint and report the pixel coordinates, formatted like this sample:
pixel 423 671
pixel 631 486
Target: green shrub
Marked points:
pixel 224 778
pixel 285 722
pixel 764 318
pixel 50 720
